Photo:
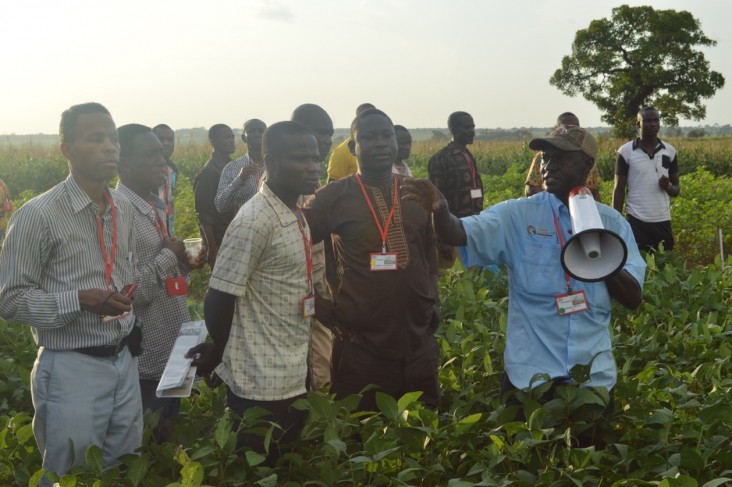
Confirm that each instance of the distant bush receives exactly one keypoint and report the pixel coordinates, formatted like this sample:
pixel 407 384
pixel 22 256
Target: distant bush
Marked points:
pixel 696 133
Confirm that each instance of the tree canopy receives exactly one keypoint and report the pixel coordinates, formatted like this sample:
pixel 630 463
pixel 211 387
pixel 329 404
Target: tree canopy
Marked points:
pixel 641 56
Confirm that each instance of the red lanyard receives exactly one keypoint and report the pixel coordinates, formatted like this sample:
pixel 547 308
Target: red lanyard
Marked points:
pixel 382 230
pixel 159 224
pixel 168 206
pixel 308 246
pixel 561 243
pixel 108 259
pixel 471 164
pixel 258 174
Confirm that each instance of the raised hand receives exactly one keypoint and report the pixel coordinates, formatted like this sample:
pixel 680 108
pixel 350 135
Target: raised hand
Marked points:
pixel 424 193
pixel 247 171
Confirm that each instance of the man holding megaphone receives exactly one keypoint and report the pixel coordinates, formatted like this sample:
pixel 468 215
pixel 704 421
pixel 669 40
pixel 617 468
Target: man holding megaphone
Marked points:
pixel 555 321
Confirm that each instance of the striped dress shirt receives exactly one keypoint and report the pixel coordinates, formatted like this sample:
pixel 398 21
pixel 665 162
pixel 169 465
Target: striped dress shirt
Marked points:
pixel 161 315
pixel 51 251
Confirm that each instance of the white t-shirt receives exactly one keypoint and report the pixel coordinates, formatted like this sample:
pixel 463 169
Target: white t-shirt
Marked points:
pixel 645 199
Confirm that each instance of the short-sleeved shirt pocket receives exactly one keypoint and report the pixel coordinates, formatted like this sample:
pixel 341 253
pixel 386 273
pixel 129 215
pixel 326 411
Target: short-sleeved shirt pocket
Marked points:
pixel 537 265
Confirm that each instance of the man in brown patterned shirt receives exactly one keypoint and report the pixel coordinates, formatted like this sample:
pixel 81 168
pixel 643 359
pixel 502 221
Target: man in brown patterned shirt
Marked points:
pixel 454 172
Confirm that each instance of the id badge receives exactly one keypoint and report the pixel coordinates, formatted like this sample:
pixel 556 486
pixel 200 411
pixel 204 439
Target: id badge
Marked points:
pixel 308 305
pixel 176 286
pixel 476 193
pixel 575 302
pixel 383 262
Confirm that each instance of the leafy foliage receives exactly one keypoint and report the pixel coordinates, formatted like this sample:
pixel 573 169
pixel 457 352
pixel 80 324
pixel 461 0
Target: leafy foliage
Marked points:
pixel 672 426
pixel 641 56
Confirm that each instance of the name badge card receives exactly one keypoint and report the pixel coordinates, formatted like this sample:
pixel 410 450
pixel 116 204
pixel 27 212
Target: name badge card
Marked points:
pixel 570 303
pixel 308 306
pixel 476 193
pixel 176 286
pixel 386 261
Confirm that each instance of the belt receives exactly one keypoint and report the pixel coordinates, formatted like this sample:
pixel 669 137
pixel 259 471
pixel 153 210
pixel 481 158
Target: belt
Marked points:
pixel 104 350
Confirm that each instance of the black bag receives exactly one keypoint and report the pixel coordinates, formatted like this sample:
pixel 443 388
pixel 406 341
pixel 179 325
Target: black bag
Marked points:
pixel 134 339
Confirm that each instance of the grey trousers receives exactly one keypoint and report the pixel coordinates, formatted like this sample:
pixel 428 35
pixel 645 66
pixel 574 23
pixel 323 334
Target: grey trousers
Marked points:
pixel 82 401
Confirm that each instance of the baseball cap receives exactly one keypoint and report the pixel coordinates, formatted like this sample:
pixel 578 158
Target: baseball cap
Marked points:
pixel 567 138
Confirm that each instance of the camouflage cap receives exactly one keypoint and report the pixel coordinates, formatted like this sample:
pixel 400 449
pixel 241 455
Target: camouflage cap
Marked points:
pixel 568 138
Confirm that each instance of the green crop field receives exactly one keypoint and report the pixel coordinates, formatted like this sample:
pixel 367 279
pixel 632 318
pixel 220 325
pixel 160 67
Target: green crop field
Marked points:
pixel 672 424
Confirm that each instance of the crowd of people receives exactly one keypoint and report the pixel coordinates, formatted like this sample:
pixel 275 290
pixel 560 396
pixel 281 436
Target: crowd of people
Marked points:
pixel 326 288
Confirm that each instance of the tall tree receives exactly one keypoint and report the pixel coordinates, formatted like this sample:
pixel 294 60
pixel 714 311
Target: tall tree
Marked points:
pixel 640 56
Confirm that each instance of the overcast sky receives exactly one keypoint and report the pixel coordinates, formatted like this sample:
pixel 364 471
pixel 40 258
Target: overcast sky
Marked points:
pixel 193 63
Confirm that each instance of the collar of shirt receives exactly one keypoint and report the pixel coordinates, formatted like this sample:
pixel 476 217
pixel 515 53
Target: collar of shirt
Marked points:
pixel 172 165
pixel 563 217
pixel 555 202
pixel 284 214
pixel 636 144
pixel 142 205
pixel 78 197
pixel 219 162
pixel 454 148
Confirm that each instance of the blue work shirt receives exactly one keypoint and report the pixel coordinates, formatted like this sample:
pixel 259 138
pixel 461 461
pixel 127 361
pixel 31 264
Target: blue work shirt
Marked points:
pixel 522 235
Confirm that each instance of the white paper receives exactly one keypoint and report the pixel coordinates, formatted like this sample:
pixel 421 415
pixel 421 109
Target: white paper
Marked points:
pixel 184 390
pixel 178 376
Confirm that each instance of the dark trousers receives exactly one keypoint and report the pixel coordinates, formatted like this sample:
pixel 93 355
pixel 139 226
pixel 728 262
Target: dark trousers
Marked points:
pixel 648 235
pixel 291 420
pixel 167 406
pixel 354 368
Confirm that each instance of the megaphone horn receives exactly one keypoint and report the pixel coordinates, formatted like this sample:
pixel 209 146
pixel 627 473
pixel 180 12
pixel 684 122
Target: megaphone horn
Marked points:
pixel 593 253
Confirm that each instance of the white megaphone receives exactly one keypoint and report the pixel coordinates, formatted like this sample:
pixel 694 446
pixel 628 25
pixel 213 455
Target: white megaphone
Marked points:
pixel 593 253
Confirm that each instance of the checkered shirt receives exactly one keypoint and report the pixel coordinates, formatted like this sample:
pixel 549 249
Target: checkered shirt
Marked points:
pixel 161 315
pixel 262 262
